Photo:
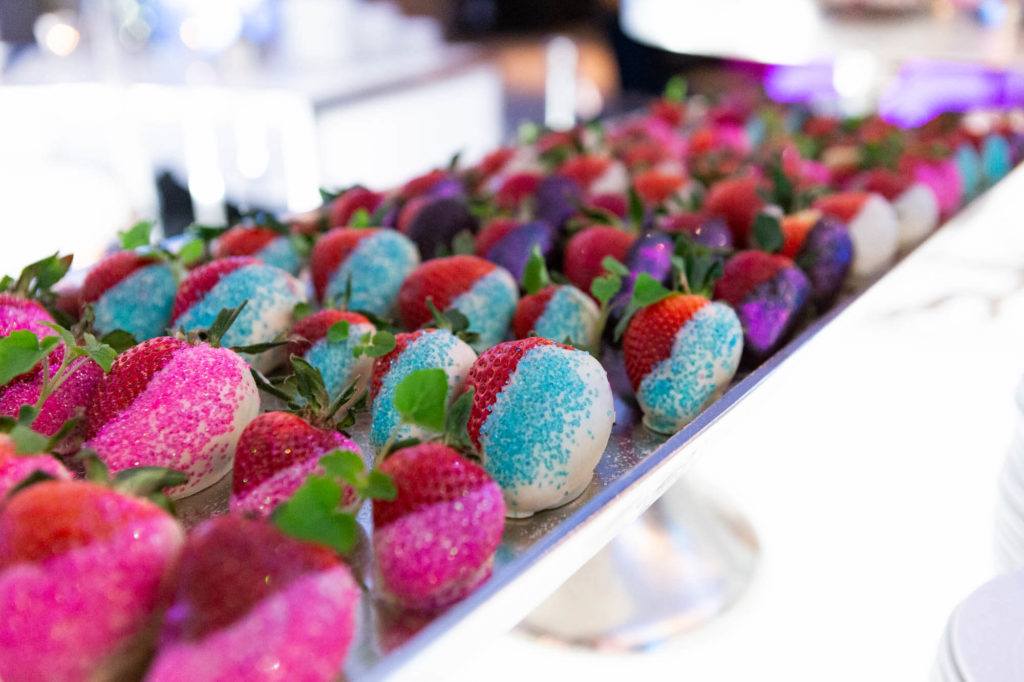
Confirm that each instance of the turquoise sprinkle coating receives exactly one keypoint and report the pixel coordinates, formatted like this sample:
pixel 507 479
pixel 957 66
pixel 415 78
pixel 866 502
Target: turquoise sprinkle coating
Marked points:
pixel 434 348
pixel 335 360
pixel 377 266
pixel 969 165
pixel 271 292
pixel 140 304
pixel 539 419
pixel 569 314
pixel 995 157
pixel 704 358
pixel 281 253
pixel 489 305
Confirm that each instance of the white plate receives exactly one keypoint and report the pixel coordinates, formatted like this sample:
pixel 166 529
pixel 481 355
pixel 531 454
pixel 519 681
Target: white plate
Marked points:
pixel 987 633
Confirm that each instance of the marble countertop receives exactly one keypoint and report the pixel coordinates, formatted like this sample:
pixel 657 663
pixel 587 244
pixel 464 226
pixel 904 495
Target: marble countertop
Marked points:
pixel 869 469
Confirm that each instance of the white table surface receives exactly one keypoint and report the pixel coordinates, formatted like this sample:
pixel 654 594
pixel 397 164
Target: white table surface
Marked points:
pixel 869 470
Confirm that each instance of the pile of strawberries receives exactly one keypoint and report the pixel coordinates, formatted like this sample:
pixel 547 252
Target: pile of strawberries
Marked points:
pixel 681 242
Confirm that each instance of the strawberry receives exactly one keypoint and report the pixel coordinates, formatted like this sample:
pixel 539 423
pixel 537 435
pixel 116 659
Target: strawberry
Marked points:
pixel 585 169
pixel 345 205
pixel 492 233
pixel 655 186
pixel 916 205
pixel 270 295
pixel 433 222
pixel 273 246
pixel 81 568
pixel 131 291
pixel 168 403
pixel 559 312
pixel 249 603
pixel 584 253
pixel 513 249
pixel 485 293
pixel 19 312
pixel 422 349
pixel 768 293
pixel 738 202
pixel 67 401
pixel 435 542
pixel 670 111
pixel 542 414
pixel 370 264
pixel 556 200
pixel 822 248
pixel 276 452
pixel 873 226
pixel 15 468
pixel 616 204
pixel 516 189
pixel 680 354
pixel 334 357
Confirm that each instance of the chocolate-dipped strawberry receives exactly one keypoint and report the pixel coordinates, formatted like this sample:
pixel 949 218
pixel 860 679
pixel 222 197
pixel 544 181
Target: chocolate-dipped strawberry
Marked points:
pixel 250 603
pixel 768 292
pixel 558 312
pixel 328 340
pixel 366 266
pixel 270 295
pixel 81 569
pixel 483 292
pixel 541 417
pixel 822 248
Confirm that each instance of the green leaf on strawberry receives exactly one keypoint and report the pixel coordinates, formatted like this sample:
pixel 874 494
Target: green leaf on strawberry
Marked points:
pixel 767 233
pixel 20 351
pixel 192 251
pixel 696 266
pixel 338 332
pixel 420 398
pixel 646 291
pixel 136 236
pixel 313 514
pixel 463 243
pixel 675 89
pixel 119 340
pixel 375 345
pixel 535 274
pixel 360 219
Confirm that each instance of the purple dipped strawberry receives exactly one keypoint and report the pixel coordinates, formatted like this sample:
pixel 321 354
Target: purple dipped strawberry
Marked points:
pixel 513 248
pixel 822 248
pixel 768 293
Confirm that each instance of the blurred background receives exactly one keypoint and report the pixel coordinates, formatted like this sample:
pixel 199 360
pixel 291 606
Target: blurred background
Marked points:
pixel 190 110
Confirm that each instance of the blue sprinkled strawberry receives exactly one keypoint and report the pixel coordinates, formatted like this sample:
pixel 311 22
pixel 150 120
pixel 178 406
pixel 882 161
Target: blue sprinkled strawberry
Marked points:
pixel 133 292
pixel 270 294
pixel 368 265
pixel 421 349
pixel 485 293
pixel 680 352
pixel 271 244
pixel 327 340
pixel 541 417
pixel 559 312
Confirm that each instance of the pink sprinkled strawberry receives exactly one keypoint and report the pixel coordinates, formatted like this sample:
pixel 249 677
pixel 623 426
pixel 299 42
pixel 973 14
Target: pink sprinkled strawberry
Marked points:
pixel 250 603
pixel 170 403
pixel 276 452
pixel 435 542
pixel 15 467
pixel 81 568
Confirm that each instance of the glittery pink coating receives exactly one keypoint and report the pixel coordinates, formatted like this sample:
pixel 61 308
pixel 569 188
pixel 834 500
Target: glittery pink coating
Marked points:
pixel 15 469
pixel 435 556
pixel 72 395
pixel 262 499
pixel 301 632
pixel 23 313
pixel 64 617
pixel 188 417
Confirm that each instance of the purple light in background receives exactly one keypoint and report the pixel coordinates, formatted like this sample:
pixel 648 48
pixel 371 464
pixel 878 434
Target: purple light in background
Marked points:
pixel 922 89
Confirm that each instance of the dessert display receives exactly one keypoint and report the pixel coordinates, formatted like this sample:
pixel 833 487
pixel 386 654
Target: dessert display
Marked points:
pixel 461 352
